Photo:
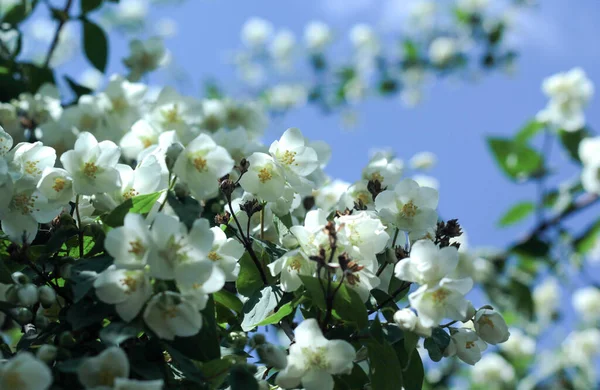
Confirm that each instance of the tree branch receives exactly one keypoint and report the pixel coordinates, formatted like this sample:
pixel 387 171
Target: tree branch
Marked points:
pixel 61 23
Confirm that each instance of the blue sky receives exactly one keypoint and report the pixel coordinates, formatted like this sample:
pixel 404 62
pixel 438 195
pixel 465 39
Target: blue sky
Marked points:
pixel 452 121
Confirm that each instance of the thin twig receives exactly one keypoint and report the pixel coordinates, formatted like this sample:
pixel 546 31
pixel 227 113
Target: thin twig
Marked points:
pixel 61 23
pixel 79 226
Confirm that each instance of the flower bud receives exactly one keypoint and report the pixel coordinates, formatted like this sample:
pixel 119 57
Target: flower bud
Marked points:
pixel 47 295
pixel 181 190
pixel 173 151
pixel 471 311
pixel 11 295
pixel 41 322
pixel 238 339
pixel 66 340
pixel 47 353
pixel 406 319
pixel 23 315
pixel 28 294
pixel 491 327
pixel 257 339
pixel 20 278
pixel 272 355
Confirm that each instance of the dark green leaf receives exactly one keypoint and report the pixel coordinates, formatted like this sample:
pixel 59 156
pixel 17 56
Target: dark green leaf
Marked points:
pixel 357 379
pixel 19 12
pixel 249 280
pixel 215 371
pixel 528 131
pixel 187 209
pixel 88 311
pixel 207 338
pixel 437 344
pixel 83 274
pixel 187 367
pixel 260 306
pixel 242 379
pixel 522 297
pixel 533 247
pixel 516 213
pixel 35 76
pixel 78 89
pixel 516 160
pixel 570 141
pixel 95 45
pixel 117 332
pixel 141 204
pixel 90 5
pixel 384 367
pixel 5 273
pixel 347 305
pixel 588 239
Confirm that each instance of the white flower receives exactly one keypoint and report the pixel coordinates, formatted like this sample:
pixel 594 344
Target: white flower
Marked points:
pixel 328 196
pixel 364 38
pixel 100 372
pixel 427 263
pixel 383 169
pixel 589 153
pixel 569 93
pixel 296 159
pixel 518 345
pixel 491 327
pixel 127 289
pixel 56 185
pixel 215 246
pixel 313 359
pixel 406 319
pixel 283 45
pixel 317 35
pixel 466 345
pixel 493 372
pixel 134 384
pixel 586 302
pixel 265 178
pixel 145 56
pixel 423 161
pixel 364 233
pixel 171 247
pixel 409 207
pixel 446 300
pixel 201 164
pixel 27 161
pixel 546 297
pixel 169 314
pixel 197 279
pixel 129 244
pixel 442 50
pixel 25 372
pixel 87 115
pixel 291 265
pixel 141 136
pixel 125 99
pixel 582 346
pixel 92 165
pixel 256 32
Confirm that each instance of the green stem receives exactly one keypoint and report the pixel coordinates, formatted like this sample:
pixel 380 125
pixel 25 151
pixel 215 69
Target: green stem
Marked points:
pixel 79 226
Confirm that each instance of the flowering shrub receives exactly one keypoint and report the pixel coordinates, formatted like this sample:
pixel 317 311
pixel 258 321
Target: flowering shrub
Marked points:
pixel 154 241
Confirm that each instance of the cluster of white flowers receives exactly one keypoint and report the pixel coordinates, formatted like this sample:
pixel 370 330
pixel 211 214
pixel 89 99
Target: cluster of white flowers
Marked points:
pixel 589 153
pixel 569 93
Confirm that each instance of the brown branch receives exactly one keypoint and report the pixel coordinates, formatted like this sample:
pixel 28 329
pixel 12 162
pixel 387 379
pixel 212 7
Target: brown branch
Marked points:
pixel 64 13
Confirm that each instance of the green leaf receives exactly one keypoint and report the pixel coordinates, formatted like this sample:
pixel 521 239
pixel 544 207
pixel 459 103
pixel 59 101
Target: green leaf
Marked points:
pixel 249 280
pixel 259 306
pixel 78 89
pixel 35 76
pixel 357 379
pixel 570 140
pixel 588 239
pixel 347 305
pixel 437 344
pixel 19 12
pixel 516 160
pixel 90 5
pixel 521 295
pixel 5 274
pixel 95 45
pixel 141 204
pixel 280 314
pixel 516 213
pixel 529 131
pixel 186 366
pixel 384 367
pixel 228 300
pixel 411 53
pixel 117 332
pixel 187 208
